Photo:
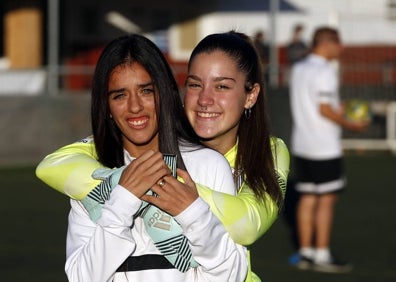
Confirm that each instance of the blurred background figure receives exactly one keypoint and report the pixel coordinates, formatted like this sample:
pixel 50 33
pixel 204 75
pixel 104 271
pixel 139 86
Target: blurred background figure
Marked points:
pixel 297 49
pixel 316 146
pixel 263 50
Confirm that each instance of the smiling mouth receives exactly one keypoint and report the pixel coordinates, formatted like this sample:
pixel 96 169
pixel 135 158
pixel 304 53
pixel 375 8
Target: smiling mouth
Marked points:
pixel 138 122
pixel 207 115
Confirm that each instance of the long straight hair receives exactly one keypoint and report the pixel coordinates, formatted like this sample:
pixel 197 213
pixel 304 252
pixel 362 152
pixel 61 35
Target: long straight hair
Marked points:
pixel 173 126
pixel 254 157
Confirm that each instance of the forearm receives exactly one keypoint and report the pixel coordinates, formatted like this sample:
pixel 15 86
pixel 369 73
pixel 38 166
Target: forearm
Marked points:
pixel 244 216
pixel 330 113
pixel 69 169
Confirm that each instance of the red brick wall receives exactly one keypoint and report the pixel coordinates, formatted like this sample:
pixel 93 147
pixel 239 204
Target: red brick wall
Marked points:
pixel 363 65
pixel 360 65
pixel 371 65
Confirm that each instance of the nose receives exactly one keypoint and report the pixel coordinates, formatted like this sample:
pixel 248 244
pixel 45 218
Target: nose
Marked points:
pixel 135 104
pixel 205 97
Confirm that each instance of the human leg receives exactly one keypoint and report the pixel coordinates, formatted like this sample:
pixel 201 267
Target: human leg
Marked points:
pixel 320 180
pixel 324 219
pixel 330 181
pixel 323 260
pixel 305 212
pixel 305 219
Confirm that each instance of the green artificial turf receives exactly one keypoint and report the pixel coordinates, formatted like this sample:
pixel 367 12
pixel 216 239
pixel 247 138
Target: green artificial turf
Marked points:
pixel 364 229
pixel 34 222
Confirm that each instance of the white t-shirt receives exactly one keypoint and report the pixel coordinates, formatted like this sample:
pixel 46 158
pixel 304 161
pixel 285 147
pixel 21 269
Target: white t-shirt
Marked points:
pixel 95 251
pixel 314 80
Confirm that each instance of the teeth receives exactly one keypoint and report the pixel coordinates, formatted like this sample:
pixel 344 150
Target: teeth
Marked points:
pixel 137 122
pixel 207 115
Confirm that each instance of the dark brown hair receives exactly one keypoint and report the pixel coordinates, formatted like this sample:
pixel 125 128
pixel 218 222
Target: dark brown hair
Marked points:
pixel 254 157
pixel 173 126
pixel 323 34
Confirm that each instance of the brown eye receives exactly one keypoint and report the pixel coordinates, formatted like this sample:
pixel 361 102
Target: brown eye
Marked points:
pixel 192 84
pixel 117 95
pixel 222 86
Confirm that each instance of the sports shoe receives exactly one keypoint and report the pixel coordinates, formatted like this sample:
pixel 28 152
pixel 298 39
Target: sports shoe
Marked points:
pixel 304 263
pixel 294 259
pixel 334 266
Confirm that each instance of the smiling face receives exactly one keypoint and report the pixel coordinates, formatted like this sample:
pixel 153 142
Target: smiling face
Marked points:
pixel 132 106
pixel 215 99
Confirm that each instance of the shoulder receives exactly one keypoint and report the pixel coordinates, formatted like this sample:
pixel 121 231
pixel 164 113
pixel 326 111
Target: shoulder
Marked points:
pixel 210 169
pixel 280 153
pixel 84 146
pixel 199 156
pixel 278 144
pixel 302 66
pixel 87 140
pixel 320 65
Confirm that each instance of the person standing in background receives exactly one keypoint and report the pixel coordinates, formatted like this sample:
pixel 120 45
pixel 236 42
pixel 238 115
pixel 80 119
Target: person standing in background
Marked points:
pixel 318 118
pixel 263 51
pixel 296 49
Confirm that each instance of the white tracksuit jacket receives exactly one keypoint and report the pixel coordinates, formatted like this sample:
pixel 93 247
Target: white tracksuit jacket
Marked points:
pixel 95 251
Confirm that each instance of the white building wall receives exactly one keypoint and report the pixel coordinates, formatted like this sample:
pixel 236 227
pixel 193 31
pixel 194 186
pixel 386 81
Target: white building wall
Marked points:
pixel 359 22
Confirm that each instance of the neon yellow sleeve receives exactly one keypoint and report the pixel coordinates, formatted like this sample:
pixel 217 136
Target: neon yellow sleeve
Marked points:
pixel 69 169
pixel 245 217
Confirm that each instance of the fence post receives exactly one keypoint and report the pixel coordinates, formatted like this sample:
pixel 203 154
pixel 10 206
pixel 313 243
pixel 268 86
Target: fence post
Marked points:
pixel 53 47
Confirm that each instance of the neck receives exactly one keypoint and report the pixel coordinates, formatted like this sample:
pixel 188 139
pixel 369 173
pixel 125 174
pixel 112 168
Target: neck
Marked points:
pixel 322 53
pixel 136 150
pixel 221 146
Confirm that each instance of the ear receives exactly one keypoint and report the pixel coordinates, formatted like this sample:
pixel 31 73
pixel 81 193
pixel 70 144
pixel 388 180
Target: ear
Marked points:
pixel 252 96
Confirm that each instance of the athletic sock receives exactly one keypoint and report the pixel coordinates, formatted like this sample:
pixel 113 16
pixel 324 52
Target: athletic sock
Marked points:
pixel 307 252
pixel 322 255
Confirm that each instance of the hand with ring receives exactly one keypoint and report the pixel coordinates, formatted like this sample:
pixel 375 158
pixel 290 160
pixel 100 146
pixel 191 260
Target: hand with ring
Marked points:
pixel 176 196
pixel 144 172
pixel 161 182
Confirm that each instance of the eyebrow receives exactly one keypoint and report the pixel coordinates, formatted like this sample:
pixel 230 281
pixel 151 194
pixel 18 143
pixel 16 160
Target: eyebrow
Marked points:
pixel 220 78
pixel 150 83
pixel 115 91
pixel 143 85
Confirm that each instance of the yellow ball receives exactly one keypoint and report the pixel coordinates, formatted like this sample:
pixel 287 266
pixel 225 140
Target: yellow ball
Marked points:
pixel 358 110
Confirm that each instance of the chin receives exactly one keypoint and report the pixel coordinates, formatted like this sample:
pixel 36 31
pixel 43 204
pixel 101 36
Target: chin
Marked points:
pixel 205 135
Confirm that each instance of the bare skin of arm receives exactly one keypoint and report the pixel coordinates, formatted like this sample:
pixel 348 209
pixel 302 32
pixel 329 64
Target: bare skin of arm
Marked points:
pixel 337 116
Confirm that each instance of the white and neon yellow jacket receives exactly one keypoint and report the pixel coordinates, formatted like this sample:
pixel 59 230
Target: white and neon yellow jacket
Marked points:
pixel 69 171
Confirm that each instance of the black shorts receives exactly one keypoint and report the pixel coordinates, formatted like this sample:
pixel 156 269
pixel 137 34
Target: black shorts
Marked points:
pixel 319 177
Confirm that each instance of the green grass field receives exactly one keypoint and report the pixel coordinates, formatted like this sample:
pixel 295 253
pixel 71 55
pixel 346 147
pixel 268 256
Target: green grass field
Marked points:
pixel 34 222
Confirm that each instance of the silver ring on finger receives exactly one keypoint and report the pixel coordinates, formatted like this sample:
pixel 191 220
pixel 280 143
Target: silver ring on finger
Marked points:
pixel 161 182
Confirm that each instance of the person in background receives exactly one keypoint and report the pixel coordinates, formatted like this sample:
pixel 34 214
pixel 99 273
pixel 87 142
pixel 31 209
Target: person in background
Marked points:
pixel 226 105
pixel 137 117
pixel 263 50
pixel 296 49
pixel 318 117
